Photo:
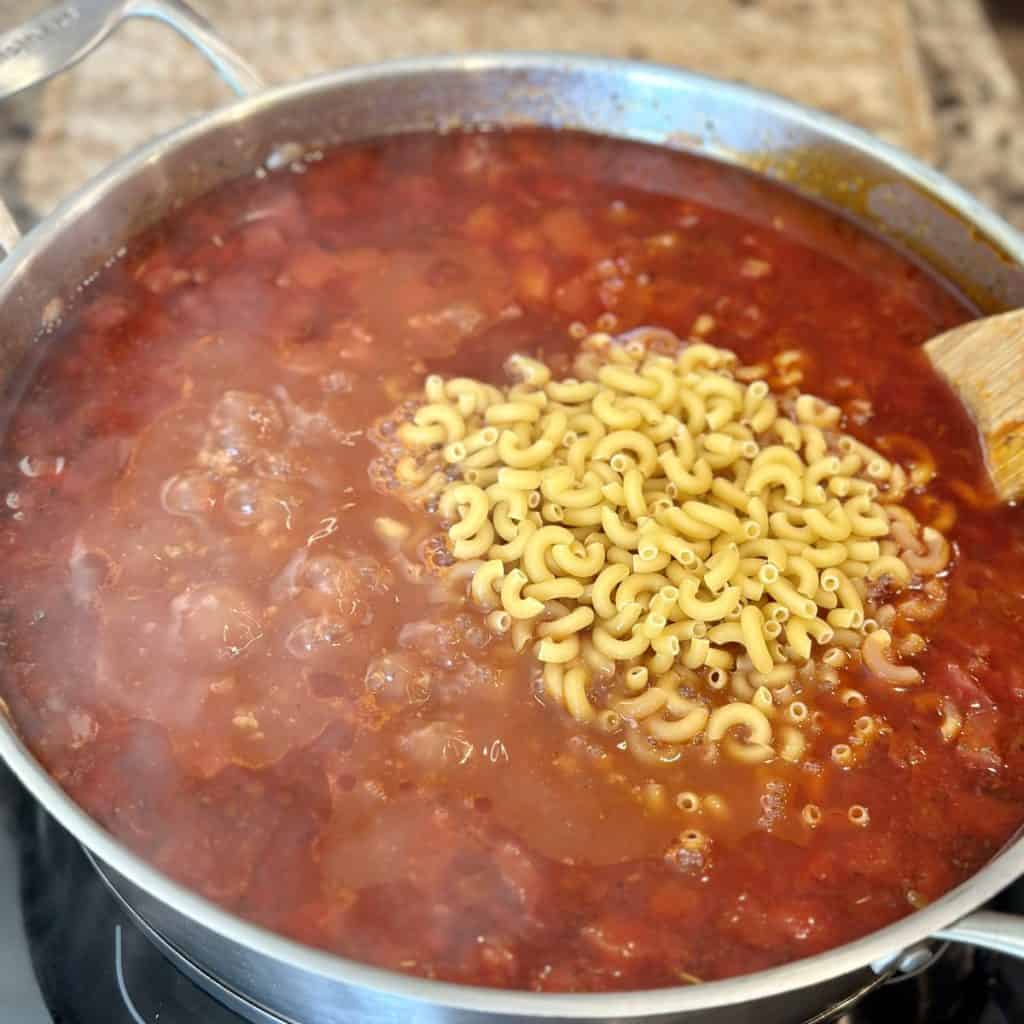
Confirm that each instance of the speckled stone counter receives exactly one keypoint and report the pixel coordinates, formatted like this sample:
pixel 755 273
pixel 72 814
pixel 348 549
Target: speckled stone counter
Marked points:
pixel 926 74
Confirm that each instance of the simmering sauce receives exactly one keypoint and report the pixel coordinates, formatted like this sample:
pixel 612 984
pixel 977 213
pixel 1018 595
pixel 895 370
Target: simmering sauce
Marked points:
pixel 216 650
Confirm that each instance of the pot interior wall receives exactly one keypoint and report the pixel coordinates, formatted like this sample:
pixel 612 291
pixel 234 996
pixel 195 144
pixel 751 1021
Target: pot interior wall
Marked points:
pixel 629 101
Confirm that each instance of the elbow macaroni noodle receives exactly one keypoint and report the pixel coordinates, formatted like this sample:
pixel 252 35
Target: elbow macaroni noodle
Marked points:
pixel 664 519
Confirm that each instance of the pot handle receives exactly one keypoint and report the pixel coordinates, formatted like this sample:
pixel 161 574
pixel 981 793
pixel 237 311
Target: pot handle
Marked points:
pixel 61 36
pixel 1003 933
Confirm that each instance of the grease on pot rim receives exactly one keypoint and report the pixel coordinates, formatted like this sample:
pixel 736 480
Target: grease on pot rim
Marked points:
pixel 672 653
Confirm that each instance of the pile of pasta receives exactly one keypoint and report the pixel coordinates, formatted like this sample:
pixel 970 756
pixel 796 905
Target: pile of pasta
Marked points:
pixel 674 542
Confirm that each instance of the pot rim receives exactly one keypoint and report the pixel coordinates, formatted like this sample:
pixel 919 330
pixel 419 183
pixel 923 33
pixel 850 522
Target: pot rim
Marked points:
pixel 877 948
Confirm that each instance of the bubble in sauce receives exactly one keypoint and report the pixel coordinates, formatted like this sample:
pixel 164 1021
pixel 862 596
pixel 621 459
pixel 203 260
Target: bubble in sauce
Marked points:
pixel 398 678
pixel 188 494
pixel 331 584
pixel 250 501
pixel 82 728
pixel 437 744
pixel 319 639
pixel 215 624
pixel 90 570
pixel 41 465
pixel 326 574
pixel 336 382
pixel 243 419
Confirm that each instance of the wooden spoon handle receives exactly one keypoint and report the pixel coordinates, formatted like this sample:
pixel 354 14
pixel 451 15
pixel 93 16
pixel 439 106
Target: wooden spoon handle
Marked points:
pixel 984 363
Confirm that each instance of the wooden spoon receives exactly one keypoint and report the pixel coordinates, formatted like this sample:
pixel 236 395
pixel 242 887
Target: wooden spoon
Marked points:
pixel 984 364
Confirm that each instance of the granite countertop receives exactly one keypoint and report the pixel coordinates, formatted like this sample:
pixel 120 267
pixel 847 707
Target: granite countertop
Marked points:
pixel 925 74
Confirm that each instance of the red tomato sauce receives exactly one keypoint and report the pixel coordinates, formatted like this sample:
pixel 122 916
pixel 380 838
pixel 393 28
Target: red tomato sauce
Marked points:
pixel 212 650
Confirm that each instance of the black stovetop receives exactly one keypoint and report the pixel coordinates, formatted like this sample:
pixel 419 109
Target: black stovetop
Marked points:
pixel 70 955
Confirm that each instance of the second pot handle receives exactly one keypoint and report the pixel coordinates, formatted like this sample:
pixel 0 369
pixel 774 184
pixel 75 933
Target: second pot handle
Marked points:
pixel 1003 933
pixel 63 35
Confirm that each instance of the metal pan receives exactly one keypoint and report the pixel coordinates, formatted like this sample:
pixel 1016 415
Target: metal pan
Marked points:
pixel 879 186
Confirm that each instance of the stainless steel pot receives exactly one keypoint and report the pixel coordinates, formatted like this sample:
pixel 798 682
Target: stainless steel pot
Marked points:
pixel 878 185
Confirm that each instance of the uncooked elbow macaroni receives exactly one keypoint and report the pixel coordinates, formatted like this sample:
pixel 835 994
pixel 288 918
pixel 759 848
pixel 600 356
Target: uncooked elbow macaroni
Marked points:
pixel 664 516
